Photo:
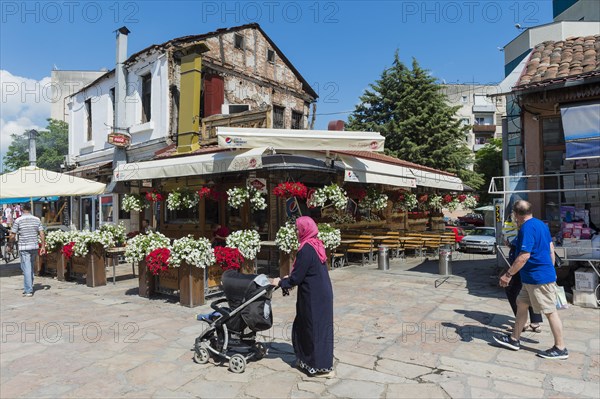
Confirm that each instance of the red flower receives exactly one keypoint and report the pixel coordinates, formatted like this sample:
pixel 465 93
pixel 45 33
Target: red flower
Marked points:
pixel 154 196
pixel 447 199
pixel 462 198
pixel 204 192
pixel 158 260
pixel 287 190
pixel 357 193
pixel 423 198
pixel 67 250
pixel 228 258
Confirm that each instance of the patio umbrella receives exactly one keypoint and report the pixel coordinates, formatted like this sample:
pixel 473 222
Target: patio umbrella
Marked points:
pixel 31 181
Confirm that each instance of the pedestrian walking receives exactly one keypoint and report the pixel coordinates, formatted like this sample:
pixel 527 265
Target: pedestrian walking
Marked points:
pixel 312 331
pixel 535 262
pixel 28 227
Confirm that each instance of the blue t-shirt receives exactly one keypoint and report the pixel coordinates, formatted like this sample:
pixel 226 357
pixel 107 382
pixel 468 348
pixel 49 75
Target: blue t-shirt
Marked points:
pixel 534 237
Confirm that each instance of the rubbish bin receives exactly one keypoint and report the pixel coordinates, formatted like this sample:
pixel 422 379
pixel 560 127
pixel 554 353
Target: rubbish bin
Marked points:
pixel 445 267
pixel 383 260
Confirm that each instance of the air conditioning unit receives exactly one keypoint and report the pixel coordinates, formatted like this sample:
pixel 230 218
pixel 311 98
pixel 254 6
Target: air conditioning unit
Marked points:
pixel 227 109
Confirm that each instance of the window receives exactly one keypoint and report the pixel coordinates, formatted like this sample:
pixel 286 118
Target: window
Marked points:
pixel 182 215
pixel 211 212
pixel 552 132
pixel 464 99
pixel 146 98
pixel 479 121
pixel 498 100
pixel 88 110
pixel 111 94
pixel 271 56
pixel 465 121
pixel 297 120
pixel 237 108
pixel 278 122
pixel 238 41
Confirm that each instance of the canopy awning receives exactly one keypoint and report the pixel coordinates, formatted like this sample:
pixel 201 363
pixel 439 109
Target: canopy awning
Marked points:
pixel 581 124
pixel 31 181
pixel 437 180
pixel 27 199
pixel 293 139
pixel 362 170
pixel 194 165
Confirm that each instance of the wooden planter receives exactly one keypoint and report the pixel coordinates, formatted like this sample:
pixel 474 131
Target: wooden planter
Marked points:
pixel 146 280
pixel 92 265
pixel 285 263
pixel 191 285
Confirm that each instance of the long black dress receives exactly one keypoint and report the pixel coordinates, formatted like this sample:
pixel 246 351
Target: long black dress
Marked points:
pixel 312 332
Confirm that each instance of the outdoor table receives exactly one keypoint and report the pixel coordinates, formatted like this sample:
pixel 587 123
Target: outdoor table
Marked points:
pixel 114 253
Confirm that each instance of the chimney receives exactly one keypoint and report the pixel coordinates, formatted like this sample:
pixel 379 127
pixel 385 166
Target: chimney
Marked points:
pixel 32 152
pixel 120 154
pixel 190 58
pixel 336 125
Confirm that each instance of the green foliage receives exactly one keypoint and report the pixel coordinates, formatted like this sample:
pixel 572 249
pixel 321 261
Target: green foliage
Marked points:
pixel 51 147
pixel 488 162
pixel 407 107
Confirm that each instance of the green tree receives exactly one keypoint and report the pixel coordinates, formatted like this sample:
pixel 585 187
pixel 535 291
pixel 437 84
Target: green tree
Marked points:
pixel 407 107
pixel 51 147
pixel 488 162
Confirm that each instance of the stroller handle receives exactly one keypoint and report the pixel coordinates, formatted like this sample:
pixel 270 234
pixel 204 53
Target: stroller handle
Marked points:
pixel 216 307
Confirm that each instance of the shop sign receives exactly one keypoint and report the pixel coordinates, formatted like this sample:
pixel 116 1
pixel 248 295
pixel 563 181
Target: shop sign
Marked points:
pixel 119 139
pixel 259 184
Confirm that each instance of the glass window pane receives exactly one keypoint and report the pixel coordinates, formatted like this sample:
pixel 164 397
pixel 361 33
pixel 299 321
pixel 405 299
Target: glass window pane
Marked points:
pixel 552 132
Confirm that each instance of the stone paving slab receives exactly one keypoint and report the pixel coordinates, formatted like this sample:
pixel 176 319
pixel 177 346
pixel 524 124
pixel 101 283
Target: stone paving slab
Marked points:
pixel 396 336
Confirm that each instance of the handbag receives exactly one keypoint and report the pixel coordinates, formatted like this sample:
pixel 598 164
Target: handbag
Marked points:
pixel 561 298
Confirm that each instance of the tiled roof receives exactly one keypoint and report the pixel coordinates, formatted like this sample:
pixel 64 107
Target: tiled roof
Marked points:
pixel 556 61
pixel 375 156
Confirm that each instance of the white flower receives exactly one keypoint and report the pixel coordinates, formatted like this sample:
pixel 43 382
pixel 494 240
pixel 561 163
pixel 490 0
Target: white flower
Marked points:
pixel 374 201
pixel 56 239
pixel 287 237
pixel 237 196
pixel 333 193
pixel 182 199
pixel 408 203
pixel 435 202
pixel 470 202
pixel 330 236
pixel 133 202
pixel 141 245
pixel 194 252
pixel 246 241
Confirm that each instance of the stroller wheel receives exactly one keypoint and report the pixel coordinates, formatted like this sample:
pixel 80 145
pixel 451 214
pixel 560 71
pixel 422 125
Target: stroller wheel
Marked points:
pixel 237 363
pixel 260 350
pixel 201 355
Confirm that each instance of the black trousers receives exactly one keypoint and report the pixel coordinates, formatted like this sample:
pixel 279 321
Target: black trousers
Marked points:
pixel 512 292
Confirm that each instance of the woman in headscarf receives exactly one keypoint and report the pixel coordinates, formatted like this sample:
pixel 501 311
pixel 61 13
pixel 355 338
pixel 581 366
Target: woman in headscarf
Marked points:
pixel 312 331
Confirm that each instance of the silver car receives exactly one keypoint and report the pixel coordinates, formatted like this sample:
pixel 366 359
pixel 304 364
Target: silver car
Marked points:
pixel 480 239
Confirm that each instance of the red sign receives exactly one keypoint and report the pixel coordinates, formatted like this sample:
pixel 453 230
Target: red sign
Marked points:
pixel 119 139
pixel 259 184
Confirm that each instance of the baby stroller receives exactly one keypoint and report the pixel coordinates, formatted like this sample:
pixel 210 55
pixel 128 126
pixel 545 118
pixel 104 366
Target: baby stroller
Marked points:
pixel 231 331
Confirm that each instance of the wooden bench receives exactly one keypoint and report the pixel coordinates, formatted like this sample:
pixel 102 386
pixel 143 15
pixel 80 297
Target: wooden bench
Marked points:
pixel 362 244
pixel 393 243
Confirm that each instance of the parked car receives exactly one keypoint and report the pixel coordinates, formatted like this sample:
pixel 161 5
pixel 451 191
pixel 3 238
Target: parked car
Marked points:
pixel 458 233
pixel 474 219
pixel 480 239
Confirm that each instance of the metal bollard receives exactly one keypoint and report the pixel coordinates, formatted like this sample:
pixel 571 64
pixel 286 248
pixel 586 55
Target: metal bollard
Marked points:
pixel 445 265
pixel 383 260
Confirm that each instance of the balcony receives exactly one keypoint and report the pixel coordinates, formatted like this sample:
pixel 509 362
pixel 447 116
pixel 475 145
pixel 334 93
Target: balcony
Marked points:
pixel 484 128
pixel 486 107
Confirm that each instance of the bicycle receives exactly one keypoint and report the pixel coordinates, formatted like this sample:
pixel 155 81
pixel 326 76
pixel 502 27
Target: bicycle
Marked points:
pixel 10 251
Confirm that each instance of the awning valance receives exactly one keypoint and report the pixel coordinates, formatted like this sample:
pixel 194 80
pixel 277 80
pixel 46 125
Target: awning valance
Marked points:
pixel 362 170
pixel 204 164
pixel 437 180
pixel 293 139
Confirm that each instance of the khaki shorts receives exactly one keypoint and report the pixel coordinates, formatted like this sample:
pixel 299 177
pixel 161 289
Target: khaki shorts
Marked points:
pixel 541 297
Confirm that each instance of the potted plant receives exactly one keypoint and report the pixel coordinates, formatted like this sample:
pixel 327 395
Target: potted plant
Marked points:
pixel 182 199
pixel 237 196
pixel 290 189
pixel 193 258
pixel 135 252
pixel 332 193
pixel 133 202
pixel 248 243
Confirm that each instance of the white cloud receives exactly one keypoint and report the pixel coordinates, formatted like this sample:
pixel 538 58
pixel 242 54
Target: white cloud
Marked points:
pixel 25 105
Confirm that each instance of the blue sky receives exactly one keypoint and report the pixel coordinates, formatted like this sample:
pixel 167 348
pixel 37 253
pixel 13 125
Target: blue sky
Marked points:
pixel 340 47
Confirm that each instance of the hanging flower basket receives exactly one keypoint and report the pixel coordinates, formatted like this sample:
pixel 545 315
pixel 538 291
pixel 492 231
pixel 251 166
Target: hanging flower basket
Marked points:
pixel 450 202
pixel 333 193
pixel 435 202
pixel 374 201
pixel 286 238
pixel 133 202
pixel 181 199
pixel 290 189
pixel 470 201
pixel 406 201
pixel 154 196
pixel 237 196
pixel 356 193
pixel 330 236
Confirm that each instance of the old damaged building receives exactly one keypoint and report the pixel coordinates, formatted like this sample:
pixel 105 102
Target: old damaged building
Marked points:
pixel 171 97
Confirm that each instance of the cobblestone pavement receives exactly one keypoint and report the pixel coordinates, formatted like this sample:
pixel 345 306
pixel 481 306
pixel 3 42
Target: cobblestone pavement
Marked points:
pixel 396 336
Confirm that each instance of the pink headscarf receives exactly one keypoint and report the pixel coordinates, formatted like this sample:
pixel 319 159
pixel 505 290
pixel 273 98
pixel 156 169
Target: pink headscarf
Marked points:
pixel 307 234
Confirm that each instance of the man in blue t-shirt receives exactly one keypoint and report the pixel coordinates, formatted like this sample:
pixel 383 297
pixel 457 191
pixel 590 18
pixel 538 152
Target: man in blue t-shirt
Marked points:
pixel 535 262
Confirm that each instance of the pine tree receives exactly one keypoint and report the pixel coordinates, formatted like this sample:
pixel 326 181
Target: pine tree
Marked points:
pixel 407 107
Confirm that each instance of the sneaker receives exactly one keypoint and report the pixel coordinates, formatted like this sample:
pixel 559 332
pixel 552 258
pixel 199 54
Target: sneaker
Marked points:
pixel 506 341
pixel 554 353
pixel 28 294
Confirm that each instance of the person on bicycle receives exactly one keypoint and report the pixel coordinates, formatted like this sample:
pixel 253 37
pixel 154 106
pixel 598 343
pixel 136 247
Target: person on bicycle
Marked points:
pixel 28 227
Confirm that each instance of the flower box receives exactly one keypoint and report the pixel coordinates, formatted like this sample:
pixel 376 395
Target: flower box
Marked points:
pixel 92 265
pixel 191 285
pixel 167 281
pixel 213 276
pixel 145 281
pixel 52 262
